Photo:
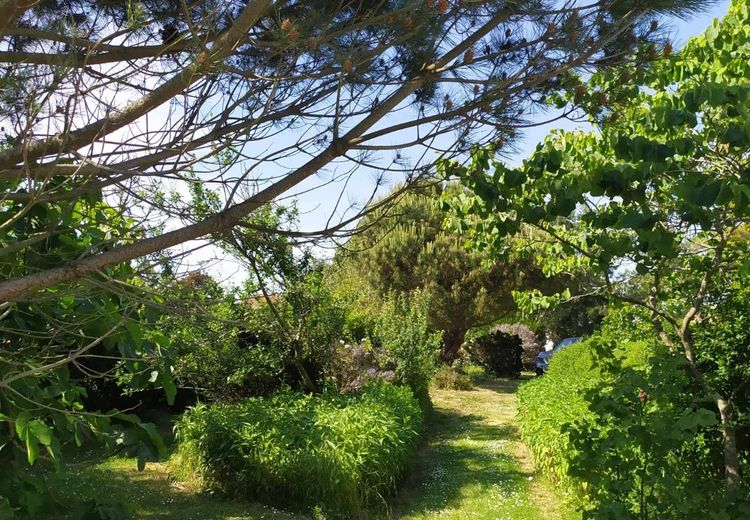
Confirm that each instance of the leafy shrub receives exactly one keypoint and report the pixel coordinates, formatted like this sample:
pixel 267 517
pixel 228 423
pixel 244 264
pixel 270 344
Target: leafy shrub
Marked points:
pixel 448 378
pixel 213 356
pixel 474 372
pixel 647 444
pixel 614 424
pixel 402 329
pixel 499 353
pixel 722 341
pixel 354 366
pixel 547 403
pixel 341 453
pixel 304 323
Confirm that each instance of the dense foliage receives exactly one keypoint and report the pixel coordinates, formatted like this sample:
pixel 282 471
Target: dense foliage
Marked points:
pixel 619 425
pixel 653 200
pixel 402 329
pixel 59 349
pixel 111 112
pixel 405 247
pixel 340 453
pixel 450 378
pixel 499 352
pixel 228 355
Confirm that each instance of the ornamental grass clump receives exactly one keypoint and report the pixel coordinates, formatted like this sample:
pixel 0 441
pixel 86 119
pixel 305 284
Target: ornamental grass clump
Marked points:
pixel 339 453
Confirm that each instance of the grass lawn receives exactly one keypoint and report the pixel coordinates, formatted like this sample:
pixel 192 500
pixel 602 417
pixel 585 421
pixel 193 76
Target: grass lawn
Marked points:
pixel 151 493
pixel 472 466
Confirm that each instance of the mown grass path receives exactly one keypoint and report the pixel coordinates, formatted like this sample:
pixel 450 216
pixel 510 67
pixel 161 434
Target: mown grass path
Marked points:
pixel 474 465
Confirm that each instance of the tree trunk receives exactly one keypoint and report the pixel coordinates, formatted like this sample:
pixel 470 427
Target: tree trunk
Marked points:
pixel 310 385
pixel 729 432
pixel 452 341
pixel 726 412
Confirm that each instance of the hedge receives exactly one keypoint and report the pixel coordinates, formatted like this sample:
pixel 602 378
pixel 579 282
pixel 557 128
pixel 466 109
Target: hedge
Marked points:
pixel 338 453
pixel 546 404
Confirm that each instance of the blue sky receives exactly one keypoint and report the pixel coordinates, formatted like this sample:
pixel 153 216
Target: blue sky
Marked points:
pixel 680 30
pixel 316 206
pixel 316 200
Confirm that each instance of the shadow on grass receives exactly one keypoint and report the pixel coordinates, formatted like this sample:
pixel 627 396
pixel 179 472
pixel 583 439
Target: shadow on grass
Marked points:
pixel 464 456
pixel 148 494
pixel 504 385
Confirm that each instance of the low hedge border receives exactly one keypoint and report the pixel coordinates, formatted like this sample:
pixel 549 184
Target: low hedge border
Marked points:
pixel 338 453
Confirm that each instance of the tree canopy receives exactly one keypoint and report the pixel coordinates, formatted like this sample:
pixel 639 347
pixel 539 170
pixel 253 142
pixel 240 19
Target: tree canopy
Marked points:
pixel 406 248
pixel 115 100
pixel 661 189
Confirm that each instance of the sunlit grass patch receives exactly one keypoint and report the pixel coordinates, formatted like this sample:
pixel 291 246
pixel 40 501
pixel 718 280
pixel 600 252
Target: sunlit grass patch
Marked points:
pixel 473 466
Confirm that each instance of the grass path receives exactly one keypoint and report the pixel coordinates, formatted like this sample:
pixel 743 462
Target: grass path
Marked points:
pixel 475 466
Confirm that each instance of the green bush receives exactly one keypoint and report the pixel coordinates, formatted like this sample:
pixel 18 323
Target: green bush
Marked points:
pixel 616 425
pixel 212 355
pixel 646 451
pixel 499 352
pixel 448 378
pixel 403 330
pixel 474 372
pixel 547 403
pixel 339 453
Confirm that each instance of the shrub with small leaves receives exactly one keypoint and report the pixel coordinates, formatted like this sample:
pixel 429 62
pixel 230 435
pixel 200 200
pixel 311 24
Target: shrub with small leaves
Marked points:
pixel 403 330
pixel 448 378
pixel 352 366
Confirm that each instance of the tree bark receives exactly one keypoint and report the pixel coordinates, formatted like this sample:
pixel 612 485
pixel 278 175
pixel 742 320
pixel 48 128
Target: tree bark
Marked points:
pixel 7 13
pixel 726 413
pixel 729 432
pixel 452 341
pixel 724 405
pixel 10 10
pixel 310 385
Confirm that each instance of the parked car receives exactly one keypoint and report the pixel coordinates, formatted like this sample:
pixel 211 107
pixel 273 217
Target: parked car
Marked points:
pixel 542 359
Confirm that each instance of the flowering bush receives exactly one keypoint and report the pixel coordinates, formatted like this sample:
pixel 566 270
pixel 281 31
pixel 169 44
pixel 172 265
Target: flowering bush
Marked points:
pixel 354 365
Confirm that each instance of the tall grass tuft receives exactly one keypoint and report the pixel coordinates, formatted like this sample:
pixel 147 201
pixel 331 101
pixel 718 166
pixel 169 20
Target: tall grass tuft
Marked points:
pixel 338 453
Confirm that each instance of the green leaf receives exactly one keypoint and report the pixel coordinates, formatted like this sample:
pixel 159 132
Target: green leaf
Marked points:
pixel 41 431
pixel 135 330
pixel 160 339
pixel 170 389
pixel 32 449
pixel 514 178
pixel 155 438
pixel 22 420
